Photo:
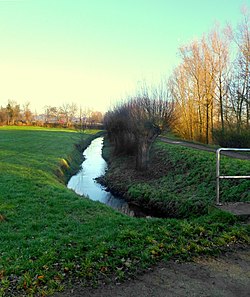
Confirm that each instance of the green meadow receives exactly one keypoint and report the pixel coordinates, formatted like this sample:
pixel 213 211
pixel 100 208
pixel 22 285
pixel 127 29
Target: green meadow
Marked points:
pixel 51 238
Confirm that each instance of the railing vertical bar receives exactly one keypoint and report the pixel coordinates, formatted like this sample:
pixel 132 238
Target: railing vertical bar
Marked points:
pixel 218 170
pixel 218 177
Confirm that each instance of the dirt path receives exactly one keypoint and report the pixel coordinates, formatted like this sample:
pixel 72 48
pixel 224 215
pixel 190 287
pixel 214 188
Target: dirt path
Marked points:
pixel 205 148
pixel 225 276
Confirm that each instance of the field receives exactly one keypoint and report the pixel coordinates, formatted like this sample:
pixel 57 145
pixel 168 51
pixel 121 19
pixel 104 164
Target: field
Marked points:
pixel 50 237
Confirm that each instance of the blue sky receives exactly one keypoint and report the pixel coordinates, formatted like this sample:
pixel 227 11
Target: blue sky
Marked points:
pixel 95 52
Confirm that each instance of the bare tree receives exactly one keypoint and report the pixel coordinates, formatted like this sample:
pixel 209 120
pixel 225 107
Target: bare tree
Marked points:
pixel 27 114
pixel 118 125
pixel 138 121
pixel 63 113
pixel 13 112
pixel 199 86
pixel 51 113
pixel 72 112
pixel 220 63
pixel 3 115
pixel 240 82
pixel 96 117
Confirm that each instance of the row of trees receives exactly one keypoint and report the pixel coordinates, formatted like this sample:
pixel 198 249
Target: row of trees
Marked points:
pixel 67 115
pixel 211 86
pixel 13 113
pixel 207 95
pixel 70 114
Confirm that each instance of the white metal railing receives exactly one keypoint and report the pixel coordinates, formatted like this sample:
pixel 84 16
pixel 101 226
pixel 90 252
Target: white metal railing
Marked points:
pixel 218 176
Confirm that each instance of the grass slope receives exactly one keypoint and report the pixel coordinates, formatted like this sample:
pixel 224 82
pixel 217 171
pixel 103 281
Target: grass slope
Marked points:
pixel 181 181
pixel 50 236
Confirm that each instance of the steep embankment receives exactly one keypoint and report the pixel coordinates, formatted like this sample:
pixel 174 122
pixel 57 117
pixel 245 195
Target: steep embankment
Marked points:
pixel 180 182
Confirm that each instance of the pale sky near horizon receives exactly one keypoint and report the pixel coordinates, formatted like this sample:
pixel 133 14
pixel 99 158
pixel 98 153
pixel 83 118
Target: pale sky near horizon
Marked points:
pixel 94 52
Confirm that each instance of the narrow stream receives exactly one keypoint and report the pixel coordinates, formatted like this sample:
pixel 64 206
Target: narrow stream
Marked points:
pixel 84 183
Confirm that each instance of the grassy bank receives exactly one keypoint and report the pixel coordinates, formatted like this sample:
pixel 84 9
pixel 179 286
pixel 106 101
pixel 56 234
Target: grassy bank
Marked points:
pixel 181 181
pixel 51 237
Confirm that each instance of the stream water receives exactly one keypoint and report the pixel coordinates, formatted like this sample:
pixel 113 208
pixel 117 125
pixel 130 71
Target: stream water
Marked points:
pixel 84 182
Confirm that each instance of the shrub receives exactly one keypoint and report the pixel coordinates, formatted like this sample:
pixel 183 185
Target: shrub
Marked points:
pixel 232 138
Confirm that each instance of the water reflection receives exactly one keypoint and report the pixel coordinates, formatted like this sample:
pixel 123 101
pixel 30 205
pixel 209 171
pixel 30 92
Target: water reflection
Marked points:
pixel 84 183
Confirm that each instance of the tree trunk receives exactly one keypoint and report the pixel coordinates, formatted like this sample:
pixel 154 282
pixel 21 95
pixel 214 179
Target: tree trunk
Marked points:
pixel 207 122
pixel 142 157
pixel 221 108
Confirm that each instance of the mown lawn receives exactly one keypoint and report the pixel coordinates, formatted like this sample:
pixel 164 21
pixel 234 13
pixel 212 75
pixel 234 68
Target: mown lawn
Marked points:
pixel 51 237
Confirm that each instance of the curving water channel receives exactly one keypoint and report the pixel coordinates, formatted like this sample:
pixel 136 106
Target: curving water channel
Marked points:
pixel 84 183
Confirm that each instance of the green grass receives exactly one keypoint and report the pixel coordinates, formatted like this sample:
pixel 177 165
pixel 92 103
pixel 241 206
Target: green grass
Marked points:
pixel 50 236
pixel 188 185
